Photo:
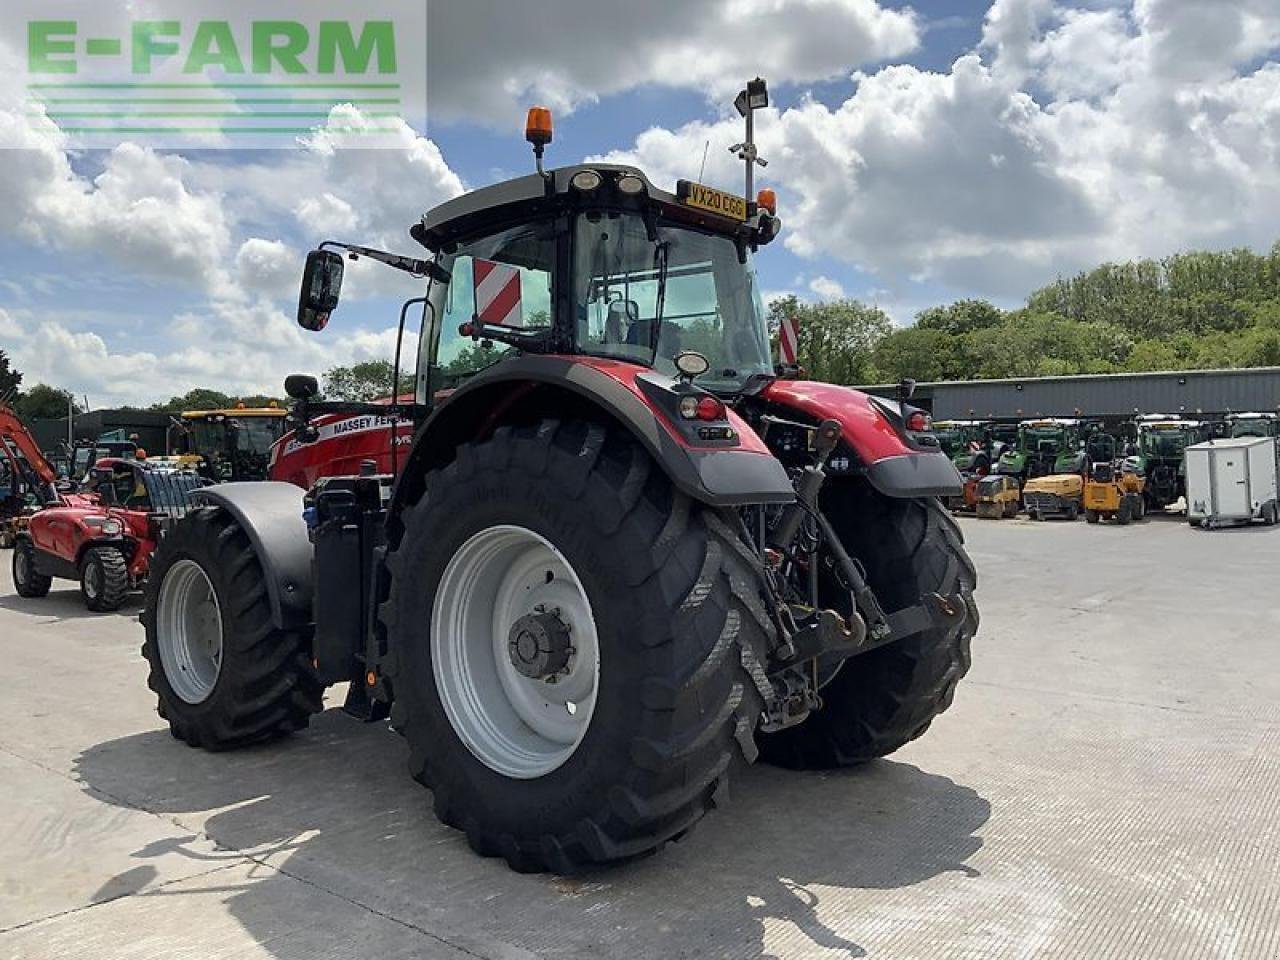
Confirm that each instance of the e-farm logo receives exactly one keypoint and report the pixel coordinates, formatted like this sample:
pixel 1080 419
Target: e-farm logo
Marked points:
pixel 226 81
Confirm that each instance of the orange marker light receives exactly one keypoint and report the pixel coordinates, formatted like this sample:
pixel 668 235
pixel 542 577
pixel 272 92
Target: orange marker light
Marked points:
pixel 768 200
pixel 537 128
pixel 371 679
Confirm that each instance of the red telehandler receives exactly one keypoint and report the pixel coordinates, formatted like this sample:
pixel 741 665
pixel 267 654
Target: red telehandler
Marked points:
pixel 102 535
pixel 621 554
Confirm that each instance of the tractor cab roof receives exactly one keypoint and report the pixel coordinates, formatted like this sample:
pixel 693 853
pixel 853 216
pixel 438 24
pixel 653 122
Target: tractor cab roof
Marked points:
pixel 1050 422
pixel 234 412
pixel 1251 416
pixel 589 185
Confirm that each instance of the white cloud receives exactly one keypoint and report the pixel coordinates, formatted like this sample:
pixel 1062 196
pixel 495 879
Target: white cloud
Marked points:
pixel 267 267
pixel 224 231
pixel 487 59
pixel 1081 137
pixel 826 288
pixel 138 210
pixel 241 349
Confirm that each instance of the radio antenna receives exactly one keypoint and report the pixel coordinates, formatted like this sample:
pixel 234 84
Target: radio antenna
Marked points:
pixel 705 147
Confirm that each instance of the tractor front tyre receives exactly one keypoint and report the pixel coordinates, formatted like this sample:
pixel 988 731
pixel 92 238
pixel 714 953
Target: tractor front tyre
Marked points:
pixel 883 699
pixel 26 580
pixel 1092 516
pixel 223 673
pixel 104 579
pixel 1011 510
pixel 575 647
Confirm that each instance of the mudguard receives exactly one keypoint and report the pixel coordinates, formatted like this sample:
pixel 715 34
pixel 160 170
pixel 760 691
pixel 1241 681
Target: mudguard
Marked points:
pixel 718 473
pixel 271 514
pixel 893 464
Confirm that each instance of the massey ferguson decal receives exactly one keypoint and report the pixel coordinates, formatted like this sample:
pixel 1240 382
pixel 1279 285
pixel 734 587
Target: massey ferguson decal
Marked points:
pixel 347 427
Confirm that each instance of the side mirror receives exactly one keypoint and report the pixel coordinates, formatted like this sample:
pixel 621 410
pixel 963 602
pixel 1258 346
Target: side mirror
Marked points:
pixel 299 386
pixel 321 287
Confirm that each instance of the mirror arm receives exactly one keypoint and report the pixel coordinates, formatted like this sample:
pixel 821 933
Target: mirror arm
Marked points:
pixel 411 265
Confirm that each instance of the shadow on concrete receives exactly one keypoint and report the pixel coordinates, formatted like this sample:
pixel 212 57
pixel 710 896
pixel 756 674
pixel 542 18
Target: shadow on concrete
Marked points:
pixel 769 875
pixel 65 603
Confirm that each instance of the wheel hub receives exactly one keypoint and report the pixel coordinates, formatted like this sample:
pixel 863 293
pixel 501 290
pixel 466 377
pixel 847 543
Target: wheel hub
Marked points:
pixel 514 651
pixel 539 645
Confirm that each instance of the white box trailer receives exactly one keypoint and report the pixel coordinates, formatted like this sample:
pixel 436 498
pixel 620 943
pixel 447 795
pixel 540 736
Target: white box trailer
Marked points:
pixel 1232 481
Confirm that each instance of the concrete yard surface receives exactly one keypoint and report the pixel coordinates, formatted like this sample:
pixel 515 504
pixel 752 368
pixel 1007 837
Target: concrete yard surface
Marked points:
pixel 1106 785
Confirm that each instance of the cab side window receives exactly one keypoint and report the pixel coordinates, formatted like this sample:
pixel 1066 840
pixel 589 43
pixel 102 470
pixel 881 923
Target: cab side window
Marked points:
pixel 503 280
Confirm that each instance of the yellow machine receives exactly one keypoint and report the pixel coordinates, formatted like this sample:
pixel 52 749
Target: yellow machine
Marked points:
pixel 996 497
pixel 1114 492
pixel 230 444
pixel 1057 495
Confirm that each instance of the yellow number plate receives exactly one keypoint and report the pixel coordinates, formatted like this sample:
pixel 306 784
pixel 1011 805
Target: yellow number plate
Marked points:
pixel 716 201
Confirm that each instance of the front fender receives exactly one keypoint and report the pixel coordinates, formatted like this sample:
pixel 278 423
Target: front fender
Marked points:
pixel 720 474
pixel 270 513
pixel 893 465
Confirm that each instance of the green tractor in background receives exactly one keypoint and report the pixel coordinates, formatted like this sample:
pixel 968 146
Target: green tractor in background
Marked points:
pixel 1045 447
pixel 1162 441
pixel 1253 425
pixel 971 444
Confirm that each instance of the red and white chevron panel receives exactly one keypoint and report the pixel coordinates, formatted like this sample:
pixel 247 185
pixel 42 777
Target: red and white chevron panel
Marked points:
pixel 789 340
pixel 497 293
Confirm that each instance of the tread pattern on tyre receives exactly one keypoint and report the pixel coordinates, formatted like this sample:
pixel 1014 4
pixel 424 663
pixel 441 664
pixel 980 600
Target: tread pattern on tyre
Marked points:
pixel 36 584
pixel 115 578
pixel 701 637
pixel 267 686
pixel 882 700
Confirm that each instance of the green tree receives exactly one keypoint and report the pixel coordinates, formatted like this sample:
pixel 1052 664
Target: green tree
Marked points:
pixel 920 353
pixel 10 379
pixel 836 338
pixel 961 317
pixel 201 398
pixel 43 402
pixel 360 382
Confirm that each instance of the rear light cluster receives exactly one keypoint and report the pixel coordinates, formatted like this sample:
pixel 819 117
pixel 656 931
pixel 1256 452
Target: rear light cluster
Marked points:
pixel 706 408
pixel 919 422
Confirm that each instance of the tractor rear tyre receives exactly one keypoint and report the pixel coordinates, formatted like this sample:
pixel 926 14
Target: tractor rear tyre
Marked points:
pixel 104 579
pixel 224 674
pixel 1011 510
pixel 26 580
pixel 880 701
pixel 575 647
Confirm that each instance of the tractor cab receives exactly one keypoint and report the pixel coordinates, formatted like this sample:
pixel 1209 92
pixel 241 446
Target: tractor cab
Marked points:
pixel 86 453
pixel 1046 446
pixel 227 445
pixel 969 443
pixel 1253 425
pixel 1161 454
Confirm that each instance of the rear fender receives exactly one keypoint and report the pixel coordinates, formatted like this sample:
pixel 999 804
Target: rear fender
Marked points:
pixel 893 464
pixel 722 473
pixel 270 513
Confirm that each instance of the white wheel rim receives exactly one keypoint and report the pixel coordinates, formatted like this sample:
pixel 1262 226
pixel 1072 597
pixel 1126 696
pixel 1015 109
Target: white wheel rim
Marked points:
pixel 519 726
pixel 189 631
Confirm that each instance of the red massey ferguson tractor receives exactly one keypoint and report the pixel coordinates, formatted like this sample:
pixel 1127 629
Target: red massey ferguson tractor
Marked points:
pixel 619 556
pixel 103 536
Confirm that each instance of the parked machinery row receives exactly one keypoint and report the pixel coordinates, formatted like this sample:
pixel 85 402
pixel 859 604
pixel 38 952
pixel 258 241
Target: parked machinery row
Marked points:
pixel 1065 467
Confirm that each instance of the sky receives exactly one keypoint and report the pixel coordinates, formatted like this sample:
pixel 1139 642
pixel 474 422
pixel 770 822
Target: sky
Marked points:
pixel 921 152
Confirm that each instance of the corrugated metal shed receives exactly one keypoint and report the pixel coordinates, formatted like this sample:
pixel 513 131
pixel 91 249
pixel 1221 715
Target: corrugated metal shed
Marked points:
pixel 1102 395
